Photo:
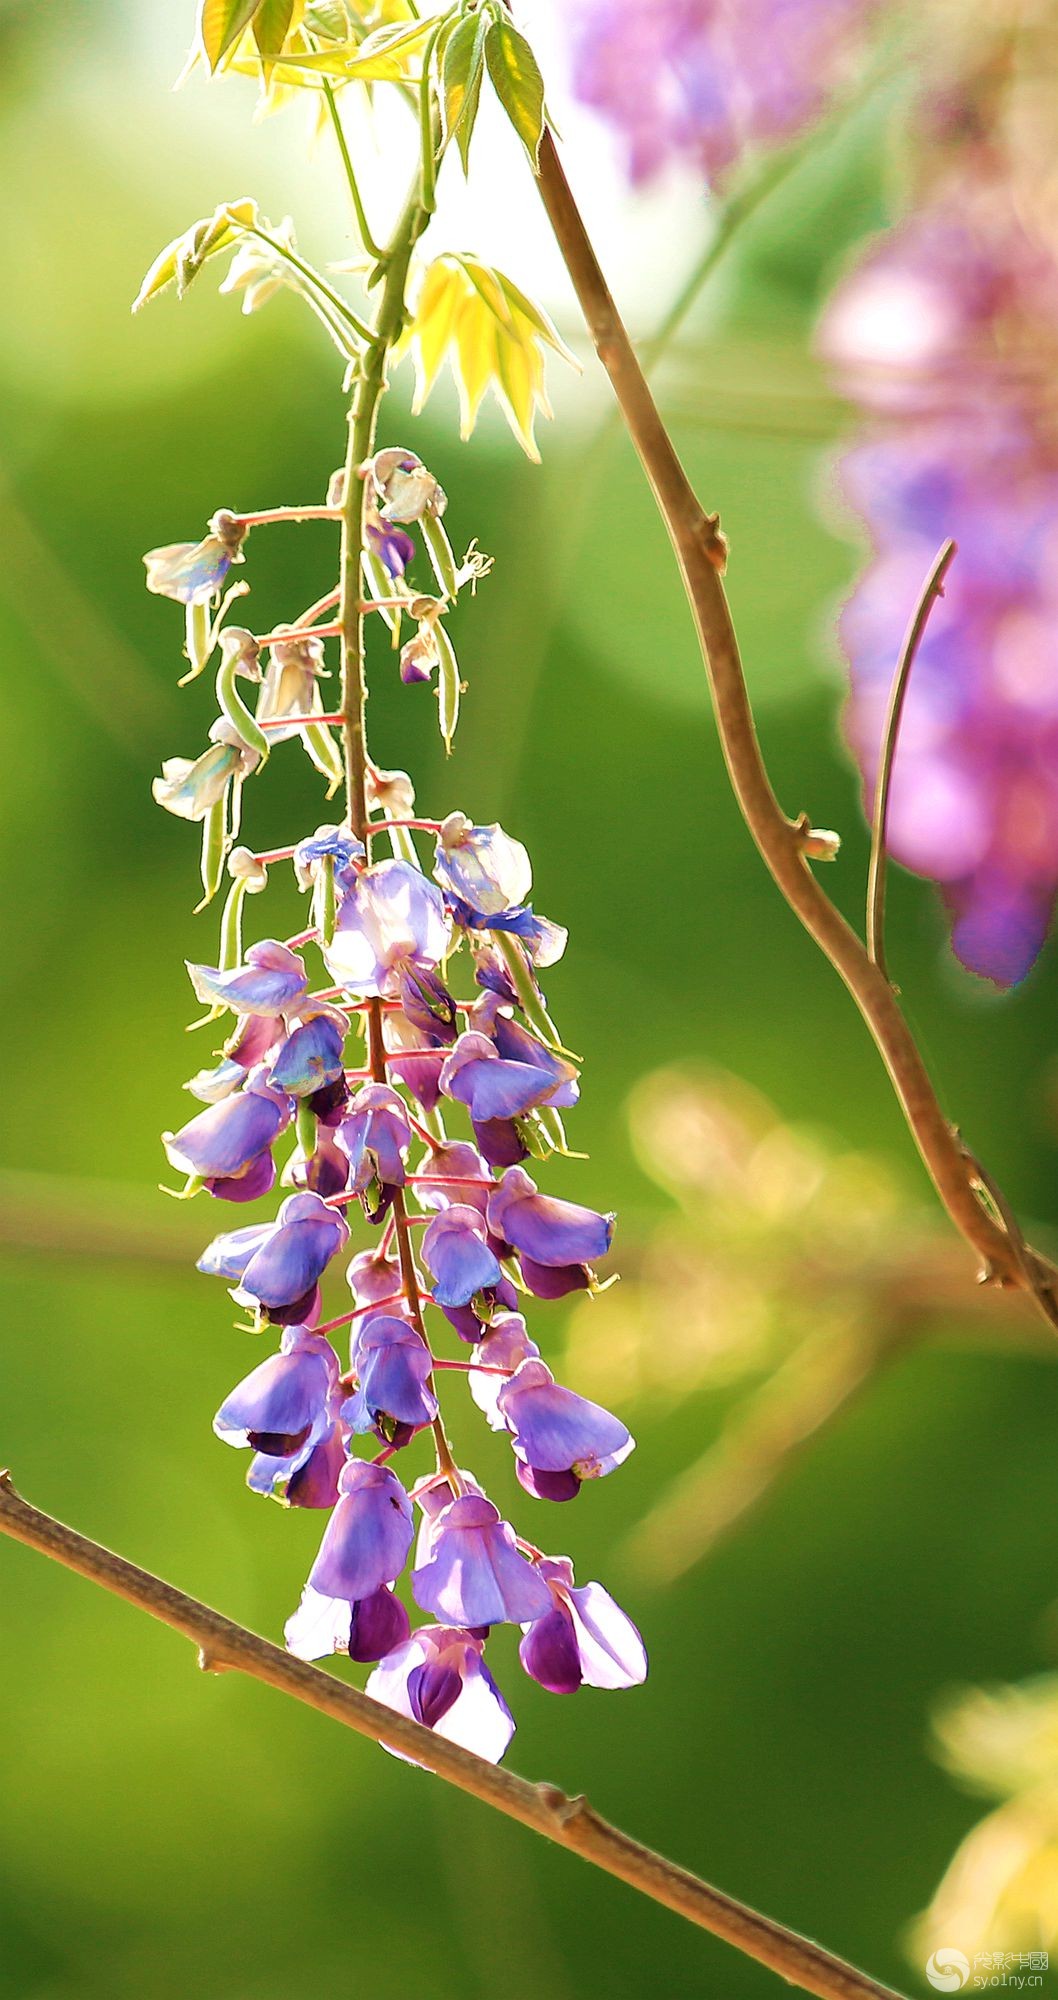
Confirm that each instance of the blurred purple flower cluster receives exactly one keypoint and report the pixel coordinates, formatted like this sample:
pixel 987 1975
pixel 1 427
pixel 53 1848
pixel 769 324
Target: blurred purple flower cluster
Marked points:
pixel 703 81
pixel 947 335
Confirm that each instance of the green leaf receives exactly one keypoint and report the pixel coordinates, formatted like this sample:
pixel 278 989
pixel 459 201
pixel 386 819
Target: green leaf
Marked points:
pixel 271 25
pixel 462 71
pixel 518 84
pixel 183 259
pixel 220 23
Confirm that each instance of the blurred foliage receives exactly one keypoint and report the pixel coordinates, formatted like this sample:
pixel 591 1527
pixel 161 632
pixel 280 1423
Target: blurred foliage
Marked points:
pixel 167 1834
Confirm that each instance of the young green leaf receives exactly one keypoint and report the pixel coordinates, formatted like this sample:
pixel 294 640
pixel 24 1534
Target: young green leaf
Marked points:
pixel 463 69
pixel 271 25
pixel 220 23
pixel 518 84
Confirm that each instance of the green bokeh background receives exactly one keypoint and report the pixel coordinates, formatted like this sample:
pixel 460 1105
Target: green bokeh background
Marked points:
pixel 165 1834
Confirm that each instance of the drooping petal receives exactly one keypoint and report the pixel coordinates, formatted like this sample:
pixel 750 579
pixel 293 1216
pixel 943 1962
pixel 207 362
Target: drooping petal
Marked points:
pixel 272 981
pixel 555 1430
pixel 225 1137
pixel 482 866
pixel 367 1539
pixel 455 1250
pixel 475 1574
pixel 548 1230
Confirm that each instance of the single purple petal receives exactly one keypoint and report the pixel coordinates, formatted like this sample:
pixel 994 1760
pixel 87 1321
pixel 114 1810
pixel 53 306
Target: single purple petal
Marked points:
pixel 549 1652
pixel 379 1624
pixel 367 1538
pixel 223 1139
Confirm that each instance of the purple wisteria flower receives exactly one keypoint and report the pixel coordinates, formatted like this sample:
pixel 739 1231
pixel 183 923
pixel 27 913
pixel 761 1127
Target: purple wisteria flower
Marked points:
pixel 272 980
pixel 560 1438
pixel 456 1249
pixel 482 867
pixel 946 333
pixel 391 1362
pixel 311 1055
pixel 376 1135
pixel 367 1630
pixel 474 1573
pixel 390 934
pixel 286 1412
pixel 390 918
pixel 505 1344
pixel 279 1264
pixel 703 81
pixel 226 1141
pixel 583 1640
pixel 546 1232
pixel 439 1678
pixel 367 1539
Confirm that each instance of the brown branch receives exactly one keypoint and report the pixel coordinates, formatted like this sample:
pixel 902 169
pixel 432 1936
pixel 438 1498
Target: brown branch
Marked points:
pixel 573 1823
pixel 700 552
pixel 876 873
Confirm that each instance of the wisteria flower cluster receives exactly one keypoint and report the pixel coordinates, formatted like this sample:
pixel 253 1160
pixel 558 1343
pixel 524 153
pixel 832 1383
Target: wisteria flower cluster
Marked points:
pixel 946 335
pixel 703 82
pixel 430 1012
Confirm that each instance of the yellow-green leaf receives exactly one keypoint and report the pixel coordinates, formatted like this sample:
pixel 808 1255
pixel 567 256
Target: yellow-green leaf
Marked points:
pixel 493 335
pixel 220 23
pixel 182 259
pixel 272 24
pixel 462 71
pixel 518 83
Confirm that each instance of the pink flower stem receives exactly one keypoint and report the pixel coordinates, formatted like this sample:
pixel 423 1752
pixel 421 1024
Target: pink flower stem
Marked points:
pixel 297 721
pixel 392 825
pixel 270 514
pixel 301 937
pixel 294 632
pixel 346 1319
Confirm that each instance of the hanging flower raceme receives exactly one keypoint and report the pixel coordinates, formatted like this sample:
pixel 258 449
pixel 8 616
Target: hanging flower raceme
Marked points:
pixel 701 82
pixel 945 334
pixel 431 1035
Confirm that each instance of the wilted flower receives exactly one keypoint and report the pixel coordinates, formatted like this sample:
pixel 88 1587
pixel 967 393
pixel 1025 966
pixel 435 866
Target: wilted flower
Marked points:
pixel 289 689
pixel 403 488
pixel 193 572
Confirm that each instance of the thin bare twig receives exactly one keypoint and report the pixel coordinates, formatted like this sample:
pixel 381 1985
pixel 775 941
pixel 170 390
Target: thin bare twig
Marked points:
pixel 931 590
pixel 573 1823
pixel 700 552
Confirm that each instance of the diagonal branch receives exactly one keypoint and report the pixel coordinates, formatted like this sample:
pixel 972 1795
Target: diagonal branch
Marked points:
pixel 225 1646
pixel 782 842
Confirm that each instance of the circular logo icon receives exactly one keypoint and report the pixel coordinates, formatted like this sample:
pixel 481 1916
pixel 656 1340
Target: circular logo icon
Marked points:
pixel 947 1969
